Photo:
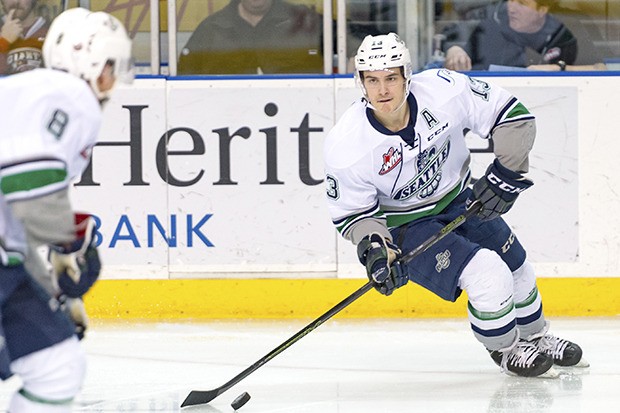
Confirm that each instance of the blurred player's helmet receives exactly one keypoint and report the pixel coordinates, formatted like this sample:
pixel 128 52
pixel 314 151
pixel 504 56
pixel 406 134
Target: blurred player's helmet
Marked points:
pixel 82 42
pixel 382 52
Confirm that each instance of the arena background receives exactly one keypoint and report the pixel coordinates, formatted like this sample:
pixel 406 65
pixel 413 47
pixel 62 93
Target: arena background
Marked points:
pixel 211 203
pixel 243 231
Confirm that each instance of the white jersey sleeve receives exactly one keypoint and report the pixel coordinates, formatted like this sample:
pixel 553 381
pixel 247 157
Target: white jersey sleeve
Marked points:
pixel 483 107
pixel 54 123
pixel 512 131
pixel 357 212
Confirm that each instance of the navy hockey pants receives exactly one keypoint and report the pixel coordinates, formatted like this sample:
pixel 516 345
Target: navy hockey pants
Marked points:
pixel 438 269
pixel 30 318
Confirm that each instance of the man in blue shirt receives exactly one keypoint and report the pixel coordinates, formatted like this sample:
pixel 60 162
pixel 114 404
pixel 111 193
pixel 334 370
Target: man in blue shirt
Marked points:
pixel 513 33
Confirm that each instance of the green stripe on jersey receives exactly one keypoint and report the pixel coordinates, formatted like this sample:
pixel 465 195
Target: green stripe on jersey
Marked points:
pixel 26 181
pixel 518 110
pixel 394 220
pixel 377 215
pixel 10 258
pixel 14 259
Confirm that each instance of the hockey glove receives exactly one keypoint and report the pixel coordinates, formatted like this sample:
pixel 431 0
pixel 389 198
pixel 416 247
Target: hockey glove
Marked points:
pixel 76 264
pixel 380 257
pixel 498 190
pixel 74 309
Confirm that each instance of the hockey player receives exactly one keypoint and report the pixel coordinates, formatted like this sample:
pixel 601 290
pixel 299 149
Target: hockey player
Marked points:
pixel 397 171
pixel 51 119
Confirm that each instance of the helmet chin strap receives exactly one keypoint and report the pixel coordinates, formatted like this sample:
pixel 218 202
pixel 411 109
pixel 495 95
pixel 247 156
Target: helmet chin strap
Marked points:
pixel 404 99
pixel 399 106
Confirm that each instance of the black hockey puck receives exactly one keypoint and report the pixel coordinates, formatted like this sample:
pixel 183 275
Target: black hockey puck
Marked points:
pixel 241 400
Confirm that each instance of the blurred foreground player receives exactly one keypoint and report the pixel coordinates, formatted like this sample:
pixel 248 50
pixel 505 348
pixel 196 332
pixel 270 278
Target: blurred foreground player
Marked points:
pixel 397 171
pixel 51 119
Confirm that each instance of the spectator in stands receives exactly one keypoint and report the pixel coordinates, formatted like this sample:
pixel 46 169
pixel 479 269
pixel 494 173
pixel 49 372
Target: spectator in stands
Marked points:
pixel 21 36
pixel 255 37
pixel 508 33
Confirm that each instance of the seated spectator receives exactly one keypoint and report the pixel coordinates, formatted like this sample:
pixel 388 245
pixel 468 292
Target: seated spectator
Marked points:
pixel 21 36
pixel 508 33
pixel 256 37
pixel 592 49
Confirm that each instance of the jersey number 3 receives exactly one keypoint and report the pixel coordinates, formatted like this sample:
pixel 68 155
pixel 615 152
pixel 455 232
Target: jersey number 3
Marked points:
pixel 333 191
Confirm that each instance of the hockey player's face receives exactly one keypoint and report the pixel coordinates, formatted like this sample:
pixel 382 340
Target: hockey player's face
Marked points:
pixel 385 88
pixel 105 81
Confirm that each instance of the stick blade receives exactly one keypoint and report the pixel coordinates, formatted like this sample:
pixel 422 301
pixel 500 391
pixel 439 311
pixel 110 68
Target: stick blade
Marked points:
pixel 199 397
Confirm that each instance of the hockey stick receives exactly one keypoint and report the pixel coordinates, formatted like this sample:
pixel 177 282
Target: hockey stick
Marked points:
pixel 205 396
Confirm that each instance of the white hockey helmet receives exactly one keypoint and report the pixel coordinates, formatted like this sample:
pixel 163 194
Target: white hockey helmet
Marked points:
pixel 81 42
pixel 382 52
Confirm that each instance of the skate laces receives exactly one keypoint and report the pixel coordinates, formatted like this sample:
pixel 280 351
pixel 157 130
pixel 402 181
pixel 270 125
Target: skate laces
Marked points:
pixel 519 354
pixel 553 346
pixel 549 344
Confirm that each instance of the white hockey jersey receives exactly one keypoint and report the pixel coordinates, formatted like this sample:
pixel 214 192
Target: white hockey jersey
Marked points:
pixel 377 178
pixel 50 122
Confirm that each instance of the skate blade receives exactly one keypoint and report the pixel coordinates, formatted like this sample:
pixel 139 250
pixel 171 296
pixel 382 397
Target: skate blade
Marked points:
pixel 578 369
pixel 552 373
pixel 583 364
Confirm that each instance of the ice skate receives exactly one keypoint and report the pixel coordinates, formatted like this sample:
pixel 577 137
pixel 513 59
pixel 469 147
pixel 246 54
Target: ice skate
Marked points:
pixel 564 353
pixel 524 359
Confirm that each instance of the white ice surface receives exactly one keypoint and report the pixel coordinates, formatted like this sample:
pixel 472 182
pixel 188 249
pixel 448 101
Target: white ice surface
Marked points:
pixel 343 366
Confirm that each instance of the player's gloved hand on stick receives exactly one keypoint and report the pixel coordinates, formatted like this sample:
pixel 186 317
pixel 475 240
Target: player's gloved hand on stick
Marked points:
pixel 74 309
pixel 76 264
pixel 498 190
pixel 380 257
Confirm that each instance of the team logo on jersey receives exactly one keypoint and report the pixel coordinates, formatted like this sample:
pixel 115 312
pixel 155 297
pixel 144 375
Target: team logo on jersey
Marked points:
pixel 443 260
pixel 390 159
pixel 426 181
pixel 424 159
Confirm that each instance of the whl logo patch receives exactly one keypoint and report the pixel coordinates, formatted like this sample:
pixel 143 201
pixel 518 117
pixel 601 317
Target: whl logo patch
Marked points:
pixel 390 160
pixel 443 260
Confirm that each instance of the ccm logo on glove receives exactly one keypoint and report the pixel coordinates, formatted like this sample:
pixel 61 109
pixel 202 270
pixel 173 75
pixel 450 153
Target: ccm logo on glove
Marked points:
pixel 504 186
